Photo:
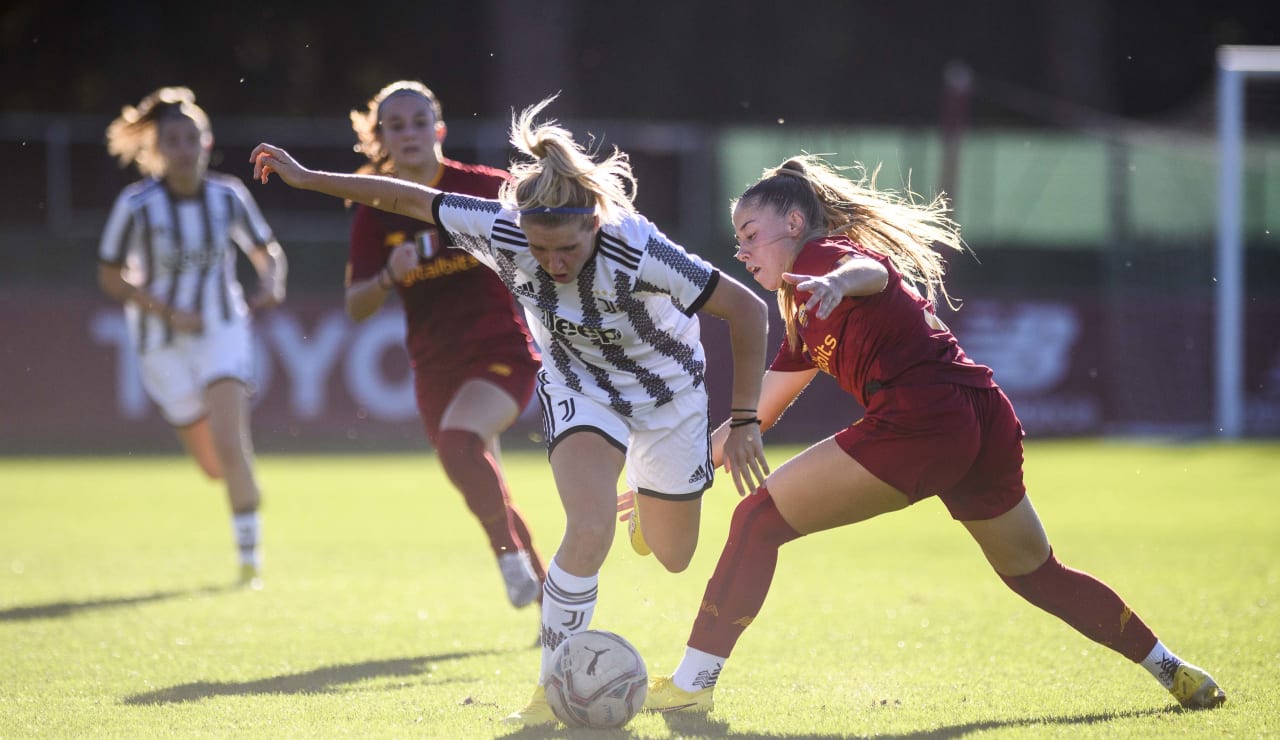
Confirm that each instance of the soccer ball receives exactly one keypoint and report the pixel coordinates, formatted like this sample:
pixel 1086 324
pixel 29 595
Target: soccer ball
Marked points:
pixel 597 679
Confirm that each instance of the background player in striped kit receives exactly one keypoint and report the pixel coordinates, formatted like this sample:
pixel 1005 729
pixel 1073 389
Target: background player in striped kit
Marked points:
pixel 844 258
pixel 473 360
pixel 167 254
pixel 612 303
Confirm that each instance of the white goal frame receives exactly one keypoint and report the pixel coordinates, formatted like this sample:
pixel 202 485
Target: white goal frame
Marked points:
pixel 1236 66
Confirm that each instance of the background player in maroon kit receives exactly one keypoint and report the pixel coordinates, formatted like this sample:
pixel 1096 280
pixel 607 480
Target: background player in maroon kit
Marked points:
pixel 843 258
pixel 473 360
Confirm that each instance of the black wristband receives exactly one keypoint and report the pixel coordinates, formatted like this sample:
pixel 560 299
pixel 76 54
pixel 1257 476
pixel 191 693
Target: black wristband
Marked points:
pixel 744 411
pixel 735 423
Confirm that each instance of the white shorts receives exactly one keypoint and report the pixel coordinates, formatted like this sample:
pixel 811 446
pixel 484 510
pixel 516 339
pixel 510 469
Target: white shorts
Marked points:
pixel 668 448
pixel 175 376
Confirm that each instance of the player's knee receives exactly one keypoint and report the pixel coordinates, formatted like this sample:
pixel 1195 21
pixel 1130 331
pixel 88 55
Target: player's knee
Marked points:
pixel 234 459
pixel 588 540
pixel 674 550
pixel 1032 585
pixel 757 519
pixel 211 469
pixel 674 561
pixel 458 450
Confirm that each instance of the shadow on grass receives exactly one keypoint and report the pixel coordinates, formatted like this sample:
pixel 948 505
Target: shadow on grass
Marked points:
pixel 320 680
pixel 61 609
pixel 547 732
pixel 690 725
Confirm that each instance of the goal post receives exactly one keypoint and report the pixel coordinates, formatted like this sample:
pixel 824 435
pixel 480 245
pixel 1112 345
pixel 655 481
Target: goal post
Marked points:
pixel 1236 66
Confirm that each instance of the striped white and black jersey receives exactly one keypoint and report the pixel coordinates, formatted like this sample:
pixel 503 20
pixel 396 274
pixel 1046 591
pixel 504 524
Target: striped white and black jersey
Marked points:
pixel 625 333
pixel 180 250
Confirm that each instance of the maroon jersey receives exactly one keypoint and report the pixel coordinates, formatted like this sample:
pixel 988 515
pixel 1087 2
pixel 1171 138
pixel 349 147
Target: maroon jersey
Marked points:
pixel 892 338
pixel 454 306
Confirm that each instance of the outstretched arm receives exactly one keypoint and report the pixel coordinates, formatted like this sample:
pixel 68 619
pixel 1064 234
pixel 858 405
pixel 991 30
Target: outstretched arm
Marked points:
pixel 383 193
pixel 856 276
pixel 748 319
pixel 777 392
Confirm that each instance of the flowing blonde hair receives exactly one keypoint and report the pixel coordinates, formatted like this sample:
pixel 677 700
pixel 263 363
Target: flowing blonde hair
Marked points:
pixel 900 226
pixel 131 137
pixel 367 124
pixel 563 174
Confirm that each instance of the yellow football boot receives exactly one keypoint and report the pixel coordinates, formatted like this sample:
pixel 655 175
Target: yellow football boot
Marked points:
pixel 665 696
pixel 250 577
pixel 1196 689
pixel 637 535
pixel 536 713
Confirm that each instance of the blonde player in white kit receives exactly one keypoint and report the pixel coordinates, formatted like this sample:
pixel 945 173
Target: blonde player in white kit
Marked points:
pixel 613 304
pixel 167 253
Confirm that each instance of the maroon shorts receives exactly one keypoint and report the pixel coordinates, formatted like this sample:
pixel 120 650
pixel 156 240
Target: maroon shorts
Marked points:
pixel 514 372
pixel 961 444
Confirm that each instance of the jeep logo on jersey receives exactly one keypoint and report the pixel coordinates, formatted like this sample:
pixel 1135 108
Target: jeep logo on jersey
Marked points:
pixel 568 329
pixel 191 259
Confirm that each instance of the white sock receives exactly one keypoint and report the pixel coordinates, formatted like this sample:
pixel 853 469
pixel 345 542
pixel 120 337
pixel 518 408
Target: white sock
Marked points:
pixel 697 670
pixel 1162 664
pixel 568 601
pixel 247 527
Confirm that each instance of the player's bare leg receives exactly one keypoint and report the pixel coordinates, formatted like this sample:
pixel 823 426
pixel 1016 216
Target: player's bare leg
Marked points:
pixel 586 467
pixel 228 402
pixel 823 488
pixel 1015 542
pixel 197 440
pixel 670 528
pixel 482 408
pixel 1016 546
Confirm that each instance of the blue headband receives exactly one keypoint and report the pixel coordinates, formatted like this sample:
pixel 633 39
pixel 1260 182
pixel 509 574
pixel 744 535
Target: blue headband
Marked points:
pixel 557 209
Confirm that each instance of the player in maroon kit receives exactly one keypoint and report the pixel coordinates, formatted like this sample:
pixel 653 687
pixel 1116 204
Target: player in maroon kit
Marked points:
pixel 843 258
pixel 474 363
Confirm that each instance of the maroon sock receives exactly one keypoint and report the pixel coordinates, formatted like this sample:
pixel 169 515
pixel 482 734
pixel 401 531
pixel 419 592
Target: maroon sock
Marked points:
pixel 475 473
pixel 738 586
pixel 1088 605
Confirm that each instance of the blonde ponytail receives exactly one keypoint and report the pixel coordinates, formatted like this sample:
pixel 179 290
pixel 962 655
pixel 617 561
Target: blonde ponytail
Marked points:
pixel 899 226
pixel 563 179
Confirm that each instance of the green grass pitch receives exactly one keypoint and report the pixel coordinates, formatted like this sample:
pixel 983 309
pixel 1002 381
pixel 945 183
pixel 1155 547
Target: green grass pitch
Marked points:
pixel 383 613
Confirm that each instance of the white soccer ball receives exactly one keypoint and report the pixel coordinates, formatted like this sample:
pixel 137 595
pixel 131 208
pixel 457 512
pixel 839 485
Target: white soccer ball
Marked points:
pixel 597 679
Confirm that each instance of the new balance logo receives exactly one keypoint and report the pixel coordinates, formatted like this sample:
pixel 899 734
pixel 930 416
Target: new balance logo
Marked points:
pixel 1168 666
pixel 551 639
pixel 706 679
